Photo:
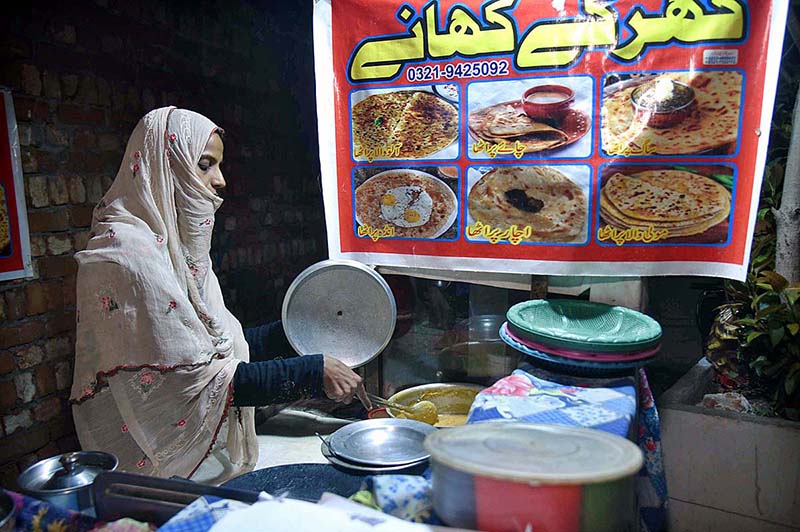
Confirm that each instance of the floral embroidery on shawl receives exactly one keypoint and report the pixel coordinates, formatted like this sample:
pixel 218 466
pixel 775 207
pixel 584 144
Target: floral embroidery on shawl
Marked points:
pixel 108 302
pixel 192 264
pixel 146 381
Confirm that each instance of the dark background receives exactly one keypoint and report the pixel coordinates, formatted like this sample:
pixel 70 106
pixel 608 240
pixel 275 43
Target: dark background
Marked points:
pixel 82 74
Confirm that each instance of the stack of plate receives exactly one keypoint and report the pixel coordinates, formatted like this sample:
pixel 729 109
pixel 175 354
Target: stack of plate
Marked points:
pixel 379 446
pixel 582 338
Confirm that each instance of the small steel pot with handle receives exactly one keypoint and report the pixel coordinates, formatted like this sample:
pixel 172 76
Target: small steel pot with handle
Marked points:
pixel 66 480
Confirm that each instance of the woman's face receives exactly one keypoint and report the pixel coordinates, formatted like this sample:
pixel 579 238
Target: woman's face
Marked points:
pixel 208 167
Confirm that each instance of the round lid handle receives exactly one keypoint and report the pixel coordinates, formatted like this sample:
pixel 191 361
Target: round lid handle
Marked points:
pixel 70 462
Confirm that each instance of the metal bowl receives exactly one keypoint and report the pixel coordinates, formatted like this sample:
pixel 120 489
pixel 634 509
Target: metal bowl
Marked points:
pixel 449 398
pixel 662 119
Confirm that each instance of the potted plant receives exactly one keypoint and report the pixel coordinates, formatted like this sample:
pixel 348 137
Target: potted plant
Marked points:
pixel 731 470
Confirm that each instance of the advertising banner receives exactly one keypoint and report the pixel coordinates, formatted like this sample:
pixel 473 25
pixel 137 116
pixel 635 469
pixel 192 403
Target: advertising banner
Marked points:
pixel 571 137
pixel 15 252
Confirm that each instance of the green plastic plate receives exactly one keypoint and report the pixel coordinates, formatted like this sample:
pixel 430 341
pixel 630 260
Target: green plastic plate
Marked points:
pixel 584 325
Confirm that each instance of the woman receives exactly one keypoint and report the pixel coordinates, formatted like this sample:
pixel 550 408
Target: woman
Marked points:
pixel 162 370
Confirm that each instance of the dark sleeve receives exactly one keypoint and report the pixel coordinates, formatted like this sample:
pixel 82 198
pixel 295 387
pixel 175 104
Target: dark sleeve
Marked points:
pixel 278 381
pixel 268 341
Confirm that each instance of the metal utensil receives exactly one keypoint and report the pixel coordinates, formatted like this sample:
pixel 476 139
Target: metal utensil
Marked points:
pixel 151 499
pixel 341 308
pixel 385 402
pixel 66 480
pixel 381 442
pixel 326 444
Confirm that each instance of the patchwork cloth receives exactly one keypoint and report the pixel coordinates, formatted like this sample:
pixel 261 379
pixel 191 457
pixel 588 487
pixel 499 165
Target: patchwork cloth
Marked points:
pixel 524 397
pixel 406 497
pixel 537 396
pixel 202 514
pixel 35 514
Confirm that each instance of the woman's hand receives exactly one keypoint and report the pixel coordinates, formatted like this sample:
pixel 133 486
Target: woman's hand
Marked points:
pixel 342 383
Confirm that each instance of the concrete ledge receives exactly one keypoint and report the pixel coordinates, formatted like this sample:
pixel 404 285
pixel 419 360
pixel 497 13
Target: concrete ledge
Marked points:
pixel 727 471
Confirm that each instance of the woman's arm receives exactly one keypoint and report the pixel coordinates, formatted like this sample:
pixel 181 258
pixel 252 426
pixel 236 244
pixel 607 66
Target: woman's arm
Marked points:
pixel 285 381
pixel 278 381
pixel 268 342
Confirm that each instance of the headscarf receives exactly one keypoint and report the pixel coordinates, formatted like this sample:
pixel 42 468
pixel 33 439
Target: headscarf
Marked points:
pixel 156 348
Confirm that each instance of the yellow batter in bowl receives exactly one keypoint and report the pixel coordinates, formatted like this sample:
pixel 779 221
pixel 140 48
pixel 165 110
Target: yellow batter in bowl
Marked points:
pixel 452 402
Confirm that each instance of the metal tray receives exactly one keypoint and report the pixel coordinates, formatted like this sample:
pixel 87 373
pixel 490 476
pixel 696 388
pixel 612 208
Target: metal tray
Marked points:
pixel 340 308
pixel 381 442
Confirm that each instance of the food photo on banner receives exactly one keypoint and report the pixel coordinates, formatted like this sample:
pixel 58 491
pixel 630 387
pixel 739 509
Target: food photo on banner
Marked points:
pixel 526 137
pixel 15 251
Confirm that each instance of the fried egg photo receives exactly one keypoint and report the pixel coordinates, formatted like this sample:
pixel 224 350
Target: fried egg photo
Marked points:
pixel 407 206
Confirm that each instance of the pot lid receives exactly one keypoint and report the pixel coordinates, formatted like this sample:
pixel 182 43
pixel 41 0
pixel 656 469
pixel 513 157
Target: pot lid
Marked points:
pixel 66 472
pixel 535 452
pixel 340 308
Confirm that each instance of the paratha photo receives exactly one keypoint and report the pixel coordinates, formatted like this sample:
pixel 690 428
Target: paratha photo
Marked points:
pixel 420 123
pixel 412 202
pixel 5 226
pixel 497 117
pixel 710 127
pixel 690 206
pixel 541 197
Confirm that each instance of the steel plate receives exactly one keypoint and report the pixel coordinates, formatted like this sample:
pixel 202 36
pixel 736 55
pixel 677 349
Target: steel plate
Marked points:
pixel 414 468
pixel 381 442
pixel 339 308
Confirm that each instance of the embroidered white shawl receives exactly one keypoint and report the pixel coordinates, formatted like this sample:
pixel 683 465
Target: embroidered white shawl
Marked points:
pixel 156 347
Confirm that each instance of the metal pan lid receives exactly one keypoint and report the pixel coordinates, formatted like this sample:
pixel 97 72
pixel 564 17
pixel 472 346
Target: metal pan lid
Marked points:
pixel 340 308
pixel 535 453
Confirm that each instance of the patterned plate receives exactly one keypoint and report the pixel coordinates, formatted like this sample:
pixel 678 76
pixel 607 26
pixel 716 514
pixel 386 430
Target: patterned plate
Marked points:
pixel 579 368
pixel 583 326
pixel 586 355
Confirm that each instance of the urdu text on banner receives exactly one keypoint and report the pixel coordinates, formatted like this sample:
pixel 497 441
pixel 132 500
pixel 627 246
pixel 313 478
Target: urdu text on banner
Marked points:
pixel 562 138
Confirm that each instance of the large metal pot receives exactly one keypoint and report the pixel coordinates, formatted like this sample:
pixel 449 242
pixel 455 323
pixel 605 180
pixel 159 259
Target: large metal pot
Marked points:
pixel 66 480
pixel 510 476
pixel 474 352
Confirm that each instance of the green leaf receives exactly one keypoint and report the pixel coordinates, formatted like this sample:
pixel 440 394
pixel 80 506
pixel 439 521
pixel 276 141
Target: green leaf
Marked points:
pixel 777 281
pixel 776 335
pixel 767 311
pixel 792 379
pixel 753 335
pixel 792 295
pixel 794 328
pixel 771 371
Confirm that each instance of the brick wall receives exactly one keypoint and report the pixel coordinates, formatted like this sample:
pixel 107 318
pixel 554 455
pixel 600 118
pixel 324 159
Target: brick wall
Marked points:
pixel 82 75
